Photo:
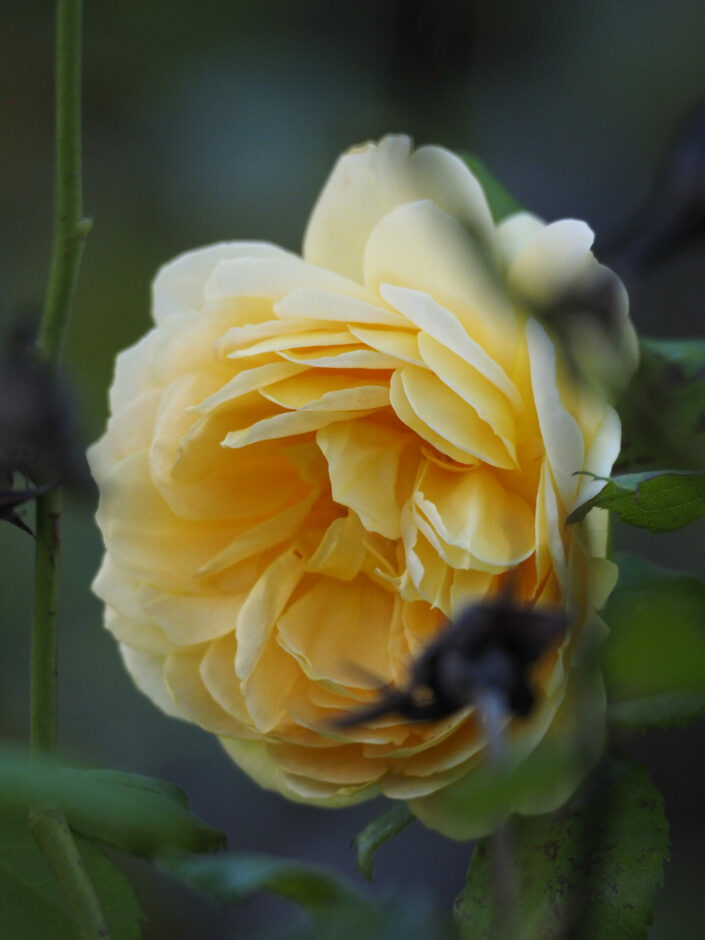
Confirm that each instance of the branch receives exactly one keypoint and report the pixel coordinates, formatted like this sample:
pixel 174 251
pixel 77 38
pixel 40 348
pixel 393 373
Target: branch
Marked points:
pixel 49 827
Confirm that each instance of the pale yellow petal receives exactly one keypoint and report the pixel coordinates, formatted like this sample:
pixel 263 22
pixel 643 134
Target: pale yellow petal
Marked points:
pixel 452 419
pixel 147 672
pixel 408 416
pixel 288 424
pixel 344 764
pixel 473 512
pixel 183 679
pixel 489 403
pixel 341 552
pixel 601 456
pixel 285 340
pixel 132 429
pixel 323 628
pixel 398 345
pixel 468 587
pixel 274 278
pixel 265 603
pixel 137 634
pixel 268 689
pixel 368 463
pixel 444 326
pixel 142 533
pixel 249 380
pixel 562 437
pixel 341 357
pixel 279 527
pixel 514 232
pixel 369 181
pixel 550 260
pixel 133 372
pixel 317 304
pixel 425 249
pixel 220 679
pixel 314 390
pixel 180 285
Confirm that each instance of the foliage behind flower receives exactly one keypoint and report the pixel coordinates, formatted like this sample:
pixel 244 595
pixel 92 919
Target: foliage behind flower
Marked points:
pixel 311 464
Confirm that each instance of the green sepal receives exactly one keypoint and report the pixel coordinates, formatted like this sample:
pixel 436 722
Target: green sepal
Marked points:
pixel 499 199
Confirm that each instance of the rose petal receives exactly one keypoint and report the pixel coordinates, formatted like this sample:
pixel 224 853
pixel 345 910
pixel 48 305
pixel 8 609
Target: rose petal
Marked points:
pixel 399 345
pixel 562 437
pixel 263 606
pixel 366 471
pixel 180 285
pixel 317 304
pixel 422 248
pixel 438 322
pixel 322 628
pixel 183 679
pixel 274 278
pixel 147 672
pixel 452 419
pixel 369 181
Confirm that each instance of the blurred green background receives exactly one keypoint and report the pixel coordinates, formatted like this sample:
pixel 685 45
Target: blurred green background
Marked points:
pixel 216 120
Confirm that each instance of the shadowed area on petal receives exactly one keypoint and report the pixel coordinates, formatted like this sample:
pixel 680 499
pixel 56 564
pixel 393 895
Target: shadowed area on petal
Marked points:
pixel 452 419
pixel 324 627
pixel 474 513
pixel 368 463
pixel 425 249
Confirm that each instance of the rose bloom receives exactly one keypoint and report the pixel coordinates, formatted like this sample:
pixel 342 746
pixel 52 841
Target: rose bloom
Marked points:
pixel 313 462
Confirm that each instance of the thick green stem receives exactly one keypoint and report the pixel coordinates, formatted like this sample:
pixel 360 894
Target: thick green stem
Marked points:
pixel 59 850
pixel 49 827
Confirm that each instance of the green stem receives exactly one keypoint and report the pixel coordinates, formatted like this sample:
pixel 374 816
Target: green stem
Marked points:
pixel 70 228
pixel 49 827
pixel 59 850
pixel 47 565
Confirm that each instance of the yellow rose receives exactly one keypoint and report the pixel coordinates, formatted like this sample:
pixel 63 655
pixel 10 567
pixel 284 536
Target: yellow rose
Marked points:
pixel 313 462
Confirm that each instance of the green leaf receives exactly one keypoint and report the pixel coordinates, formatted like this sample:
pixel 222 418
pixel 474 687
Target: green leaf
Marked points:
pixel 377 832
pixel 661 501
pixel 136 814
pixel 31 904
pixel 653 661
pixel 593 868
pixel 244 875
pixel 337 908
pixel 663 410
pixel 500 201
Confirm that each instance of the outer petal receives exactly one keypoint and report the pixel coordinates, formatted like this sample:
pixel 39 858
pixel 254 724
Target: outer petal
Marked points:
pixel 550 260
pixel 255 759
pixel 562 437
pixel 179 286
pixel 553 272
pixel 370 181
pixel 557 748
pixel 421 247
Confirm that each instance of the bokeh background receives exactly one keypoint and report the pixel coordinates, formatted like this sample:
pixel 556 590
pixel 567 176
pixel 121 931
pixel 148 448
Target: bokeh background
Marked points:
pixel 208 120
